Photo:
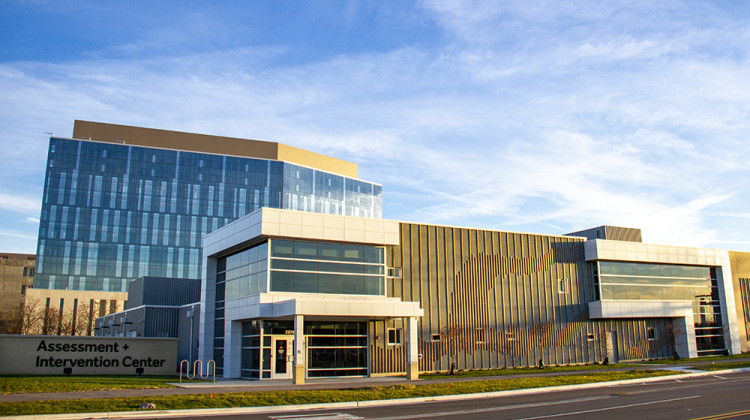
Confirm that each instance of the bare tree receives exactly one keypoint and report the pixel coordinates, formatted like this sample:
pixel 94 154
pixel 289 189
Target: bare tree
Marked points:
pixel 26 319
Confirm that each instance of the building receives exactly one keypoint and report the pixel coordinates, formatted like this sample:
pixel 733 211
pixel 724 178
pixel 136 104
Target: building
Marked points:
pixel 121 203
pixel 300 277
pixel 160 308
pixel 293 295
pixel 16 276
pixel 127 202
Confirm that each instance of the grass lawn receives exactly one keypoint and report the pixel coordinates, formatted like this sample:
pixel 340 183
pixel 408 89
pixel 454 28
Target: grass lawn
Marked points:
pixel 720 366
pixel 695 359
pixel 272 398
pixel 27 384
pixel 522 371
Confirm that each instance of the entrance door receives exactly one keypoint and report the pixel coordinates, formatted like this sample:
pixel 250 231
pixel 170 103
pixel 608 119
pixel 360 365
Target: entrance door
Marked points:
pixel 282 357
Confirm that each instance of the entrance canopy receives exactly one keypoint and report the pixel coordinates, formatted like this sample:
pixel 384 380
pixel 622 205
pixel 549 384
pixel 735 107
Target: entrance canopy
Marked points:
pixel 328 306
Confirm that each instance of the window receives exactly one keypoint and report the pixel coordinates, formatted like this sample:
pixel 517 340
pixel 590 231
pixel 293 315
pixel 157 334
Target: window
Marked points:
pixel 590 337
pixel 651 334
pixel 435 337
pixel 394 336
pixel 510 336
pixel 480 335
pixel 562 287
pixel 394 272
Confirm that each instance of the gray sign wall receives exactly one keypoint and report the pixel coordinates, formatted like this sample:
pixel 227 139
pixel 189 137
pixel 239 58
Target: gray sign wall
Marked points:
pixel 57 355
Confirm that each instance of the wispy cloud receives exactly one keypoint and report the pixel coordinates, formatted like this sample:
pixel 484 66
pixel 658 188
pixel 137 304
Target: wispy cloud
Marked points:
pixel 19 204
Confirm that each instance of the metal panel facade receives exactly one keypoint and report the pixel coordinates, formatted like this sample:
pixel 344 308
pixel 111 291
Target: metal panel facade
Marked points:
pixel 497 299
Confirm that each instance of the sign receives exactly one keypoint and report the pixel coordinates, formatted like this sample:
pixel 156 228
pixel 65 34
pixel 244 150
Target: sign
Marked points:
pixel 58 355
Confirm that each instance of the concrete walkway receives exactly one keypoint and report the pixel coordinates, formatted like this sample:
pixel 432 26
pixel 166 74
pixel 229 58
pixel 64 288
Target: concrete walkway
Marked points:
pixel 228 386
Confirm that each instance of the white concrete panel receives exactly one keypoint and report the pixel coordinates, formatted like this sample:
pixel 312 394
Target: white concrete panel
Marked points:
pixel 354 223
pixel 293 231
pixel 312 219
pixel 312 231
pixel 332 234
pixel 354 236
pixel 335 222
pixel 373 226
pixel 271 229
pixel 374 237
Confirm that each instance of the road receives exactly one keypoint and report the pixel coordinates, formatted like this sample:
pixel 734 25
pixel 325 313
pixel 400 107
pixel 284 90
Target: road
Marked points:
pixel 707 398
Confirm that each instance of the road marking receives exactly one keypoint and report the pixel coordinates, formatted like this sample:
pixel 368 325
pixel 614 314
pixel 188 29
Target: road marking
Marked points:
pixel 488 410
pixel 327 416
pixel 575 413
pixel 724 415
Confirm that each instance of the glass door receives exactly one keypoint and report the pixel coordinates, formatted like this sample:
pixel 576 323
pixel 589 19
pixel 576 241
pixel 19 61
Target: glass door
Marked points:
pixel 282 358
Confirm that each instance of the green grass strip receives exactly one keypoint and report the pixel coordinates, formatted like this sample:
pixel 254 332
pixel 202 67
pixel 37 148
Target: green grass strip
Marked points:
pixel 273 398
pixel 523 371
pixel 695 359
pixel 28 384
pixel 721 366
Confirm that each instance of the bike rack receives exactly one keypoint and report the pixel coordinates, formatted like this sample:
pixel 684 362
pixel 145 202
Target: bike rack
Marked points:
pixel 198 367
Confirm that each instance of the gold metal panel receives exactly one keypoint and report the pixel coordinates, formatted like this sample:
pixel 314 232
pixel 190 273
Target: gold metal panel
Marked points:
pixel 202 143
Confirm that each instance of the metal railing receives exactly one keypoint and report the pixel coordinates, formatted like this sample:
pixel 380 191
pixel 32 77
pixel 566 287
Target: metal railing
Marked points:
pixel 198 369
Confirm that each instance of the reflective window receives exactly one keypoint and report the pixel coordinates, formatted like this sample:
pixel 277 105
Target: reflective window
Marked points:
pixel 132 211
pixel 645 281
pixel 311 267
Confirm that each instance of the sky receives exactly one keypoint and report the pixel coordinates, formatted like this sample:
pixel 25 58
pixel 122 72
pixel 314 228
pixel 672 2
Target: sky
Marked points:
pixel 544 117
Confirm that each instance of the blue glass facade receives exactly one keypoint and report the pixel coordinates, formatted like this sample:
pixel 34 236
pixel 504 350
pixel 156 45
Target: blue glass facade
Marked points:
pixel 113 212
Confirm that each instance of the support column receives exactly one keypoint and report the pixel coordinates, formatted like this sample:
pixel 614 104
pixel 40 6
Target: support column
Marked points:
pixel 412 351
pixel 684 335
pixel 299 350
pixel 232 349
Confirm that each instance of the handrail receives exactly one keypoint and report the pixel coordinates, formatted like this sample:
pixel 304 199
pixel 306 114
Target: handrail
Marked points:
pixel 198 367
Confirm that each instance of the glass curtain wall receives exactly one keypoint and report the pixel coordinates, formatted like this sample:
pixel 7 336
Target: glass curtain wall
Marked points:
pixel 336 349
pixel 645 281
pixel 112 213
pixel 333 348
pixel 318 267
pixel 306 189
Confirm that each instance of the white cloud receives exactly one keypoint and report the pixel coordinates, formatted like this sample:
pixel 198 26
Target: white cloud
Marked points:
pixel 19 204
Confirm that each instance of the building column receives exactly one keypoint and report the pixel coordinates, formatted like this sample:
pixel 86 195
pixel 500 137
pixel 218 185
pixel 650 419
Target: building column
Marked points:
pixel 232 349
pixel 206 332
pixel 684 336
pixel 412 351
pixel 299 350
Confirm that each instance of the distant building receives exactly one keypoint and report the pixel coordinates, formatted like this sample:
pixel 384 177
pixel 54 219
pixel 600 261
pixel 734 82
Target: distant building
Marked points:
pixel 16 277
pixel 158 308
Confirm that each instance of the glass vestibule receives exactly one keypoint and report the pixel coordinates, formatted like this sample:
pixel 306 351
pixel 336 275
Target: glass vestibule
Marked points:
pixel 333 349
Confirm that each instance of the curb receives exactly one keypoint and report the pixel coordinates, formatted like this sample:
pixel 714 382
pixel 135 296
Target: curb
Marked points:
pixel 357 404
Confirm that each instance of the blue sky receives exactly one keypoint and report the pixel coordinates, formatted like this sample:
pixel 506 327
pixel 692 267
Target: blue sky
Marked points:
pixel 544 117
